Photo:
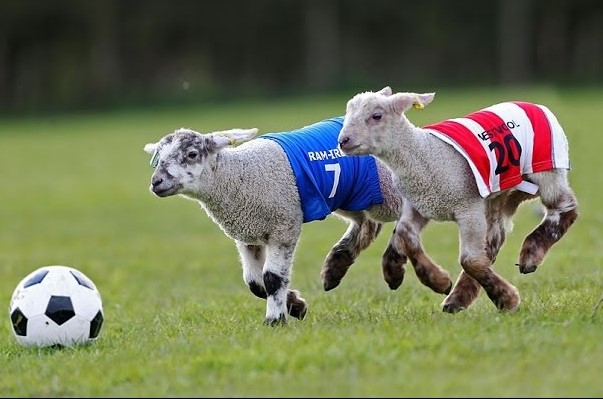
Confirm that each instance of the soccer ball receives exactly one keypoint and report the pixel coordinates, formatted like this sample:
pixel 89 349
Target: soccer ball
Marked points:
pixel 56 306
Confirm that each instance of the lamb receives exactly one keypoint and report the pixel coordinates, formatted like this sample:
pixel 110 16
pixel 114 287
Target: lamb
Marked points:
pixel 514 151
pixel 250 191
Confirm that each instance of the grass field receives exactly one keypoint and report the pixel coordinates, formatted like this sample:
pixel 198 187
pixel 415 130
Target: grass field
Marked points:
pixel 179 321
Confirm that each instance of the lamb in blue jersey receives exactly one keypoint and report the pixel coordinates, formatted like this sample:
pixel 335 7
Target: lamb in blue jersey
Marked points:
pixel 327 179
pixel 260 190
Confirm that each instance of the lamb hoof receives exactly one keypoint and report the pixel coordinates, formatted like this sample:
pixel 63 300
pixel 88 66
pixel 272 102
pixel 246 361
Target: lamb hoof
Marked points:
pixel 395 284
pixel 452 308
pixel 392 265
pixel 335 268
pixel 298 310
pixel 525 269
pixel 328 285
pixel 393 275
pixel 508 301
pixel 281 320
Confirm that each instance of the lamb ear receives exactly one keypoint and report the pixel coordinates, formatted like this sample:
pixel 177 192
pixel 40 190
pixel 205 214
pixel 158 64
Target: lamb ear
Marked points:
pixel 150 148
pixel 233 136
pixel 401 102
pixel 421 100
pixel 386 91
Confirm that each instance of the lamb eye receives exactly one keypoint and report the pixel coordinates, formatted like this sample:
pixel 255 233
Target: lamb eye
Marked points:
pixel 192 155
pixel 376 116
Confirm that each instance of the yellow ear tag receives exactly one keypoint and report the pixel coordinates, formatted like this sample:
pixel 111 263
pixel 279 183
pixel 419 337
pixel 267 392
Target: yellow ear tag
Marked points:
pixel 417 105
pixel 231 141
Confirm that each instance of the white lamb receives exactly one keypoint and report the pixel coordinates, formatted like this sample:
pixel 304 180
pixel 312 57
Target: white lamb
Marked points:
pixel 474 171
pixel 251 192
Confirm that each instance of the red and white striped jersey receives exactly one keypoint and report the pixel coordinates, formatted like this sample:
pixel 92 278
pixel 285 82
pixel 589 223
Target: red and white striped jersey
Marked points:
pixel 505 141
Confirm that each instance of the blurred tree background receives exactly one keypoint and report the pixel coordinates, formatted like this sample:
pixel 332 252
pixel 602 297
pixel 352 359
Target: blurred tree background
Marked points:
pixel 73 54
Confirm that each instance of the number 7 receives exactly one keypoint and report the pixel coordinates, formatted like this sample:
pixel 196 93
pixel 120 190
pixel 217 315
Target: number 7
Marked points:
pixel 334 167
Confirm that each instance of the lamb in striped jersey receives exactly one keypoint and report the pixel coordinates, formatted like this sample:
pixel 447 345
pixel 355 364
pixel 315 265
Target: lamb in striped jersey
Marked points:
pixel 475 171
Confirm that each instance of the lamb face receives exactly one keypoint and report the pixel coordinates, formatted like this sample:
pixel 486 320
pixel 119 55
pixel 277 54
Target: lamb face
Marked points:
pixel 372 120
pixel 179 160
pixel 365 124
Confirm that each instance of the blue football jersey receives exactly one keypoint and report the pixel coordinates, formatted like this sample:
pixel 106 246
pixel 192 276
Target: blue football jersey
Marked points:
pixel 327 179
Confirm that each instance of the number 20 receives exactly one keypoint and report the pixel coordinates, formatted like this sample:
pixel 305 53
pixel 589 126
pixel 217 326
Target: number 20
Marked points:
pixel 504 152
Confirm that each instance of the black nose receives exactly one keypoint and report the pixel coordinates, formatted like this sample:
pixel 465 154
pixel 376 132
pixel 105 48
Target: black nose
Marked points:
pixel 344 140
pixel 156 181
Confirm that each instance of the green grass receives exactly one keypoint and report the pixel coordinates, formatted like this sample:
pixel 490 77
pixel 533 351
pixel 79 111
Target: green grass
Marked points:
pixel 181 322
